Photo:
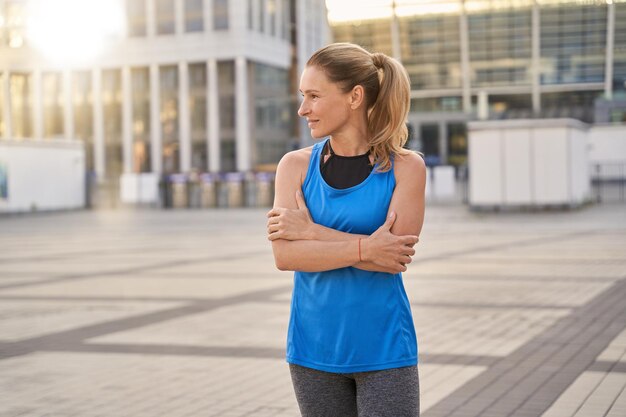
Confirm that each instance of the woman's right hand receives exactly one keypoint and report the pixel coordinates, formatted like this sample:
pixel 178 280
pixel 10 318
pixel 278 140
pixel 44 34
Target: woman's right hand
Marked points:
pixel 387 250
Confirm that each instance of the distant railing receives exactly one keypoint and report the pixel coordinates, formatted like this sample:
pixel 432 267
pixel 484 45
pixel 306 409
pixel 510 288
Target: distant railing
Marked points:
pixel 608 180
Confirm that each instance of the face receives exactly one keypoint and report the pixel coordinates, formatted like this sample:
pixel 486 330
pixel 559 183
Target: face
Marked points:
pixel 325 107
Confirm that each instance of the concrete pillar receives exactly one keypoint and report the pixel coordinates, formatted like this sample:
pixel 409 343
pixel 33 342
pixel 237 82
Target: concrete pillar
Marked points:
pixel 213 117
pixel 68 106
pixel 610 46
pixel 536 58
pixel 150 19
pixel 184 120
pixel 37 95
pixel 179 17
pixel 6 104
pixel 242 126
pixel 98 124
pixel 466 77
pixel 395 33
pixel 155 120
pixel 207 11
pixel 443 142
pixel 127 121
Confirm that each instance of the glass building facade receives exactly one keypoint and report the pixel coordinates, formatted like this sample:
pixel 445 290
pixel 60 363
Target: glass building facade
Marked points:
pixel 529 59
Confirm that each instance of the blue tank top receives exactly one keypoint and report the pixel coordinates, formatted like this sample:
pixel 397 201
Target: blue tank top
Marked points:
pixel 349 320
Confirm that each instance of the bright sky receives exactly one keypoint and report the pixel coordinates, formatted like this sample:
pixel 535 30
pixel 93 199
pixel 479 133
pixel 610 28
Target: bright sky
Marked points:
pixel 344 10
pixel 73 31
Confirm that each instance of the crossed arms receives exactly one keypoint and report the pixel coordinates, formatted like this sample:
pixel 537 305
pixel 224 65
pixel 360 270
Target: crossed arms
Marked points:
pixel 299 244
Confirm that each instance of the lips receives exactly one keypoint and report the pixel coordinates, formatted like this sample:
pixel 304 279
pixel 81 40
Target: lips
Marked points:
pixel 312 122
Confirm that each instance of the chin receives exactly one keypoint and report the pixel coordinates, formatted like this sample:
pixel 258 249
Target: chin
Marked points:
pixel 318 134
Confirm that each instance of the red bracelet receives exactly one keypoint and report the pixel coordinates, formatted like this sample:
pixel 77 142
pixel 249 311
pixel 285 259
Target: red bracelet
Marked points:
pixel 360 260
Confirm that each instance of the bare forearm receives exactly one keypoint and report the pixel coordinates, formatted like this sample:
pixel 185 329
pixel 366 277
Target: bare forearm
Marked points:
pixel 314 255
pixel 319 232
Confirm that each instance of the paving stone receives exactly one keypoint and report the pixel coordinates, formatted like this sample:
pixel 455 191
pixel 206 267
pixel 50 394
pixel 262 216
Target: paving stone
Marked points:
pixel 182 313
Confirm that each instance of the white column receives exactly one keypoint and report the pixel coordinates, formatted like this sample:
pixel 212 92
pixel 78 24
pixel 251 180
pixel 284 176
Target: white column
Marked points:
pixel 127 121
pixel 150 19
pixel 395 33
pixel 68 110
pixel 6 104
pixel 37 105
pixel 98 124
pixel 155 120
pixel 242 129
pixel 213 117
pixel 466 77
pixel 207 11
pixel 184 121
pixel 179 17
pixel 536 58
pixel 610 45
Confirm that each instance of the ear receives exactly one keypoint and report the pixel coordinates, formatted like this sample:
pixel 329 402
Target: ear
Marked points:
pixel 357 97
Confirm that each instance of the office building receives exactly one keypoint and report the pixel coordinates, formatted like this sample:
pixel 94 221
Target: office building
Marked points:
pixel 496 59
pixel 157 86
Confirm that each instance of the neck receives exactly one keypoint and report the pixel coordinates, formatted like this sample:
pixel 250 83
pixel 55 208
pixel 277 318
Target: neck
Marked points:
pixel 351 141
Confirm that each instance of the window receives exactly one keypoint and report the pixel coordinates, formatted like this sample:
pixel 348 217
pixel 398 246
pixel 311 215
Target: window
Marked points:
pixel 140 92
pixel 271 11
pixel 2 121
pixel 112 102
pixel 21 104
pixel 573 42
pixel 52 105
pixel 169 118
pixel 198 112
pixel 251 14
pixel 136 17
pixel 220 14
pixel 194 19
pixel 227 117
pixel 165 13
pixel 83 113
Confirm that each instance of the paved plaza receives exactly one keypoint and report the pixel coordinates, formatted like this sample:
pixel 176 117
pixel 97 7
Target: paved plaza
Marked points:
pixel 146 313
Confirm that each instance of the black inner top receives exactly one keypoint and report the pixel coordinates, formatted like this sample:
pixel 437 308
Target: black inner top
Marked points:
pixel 344 171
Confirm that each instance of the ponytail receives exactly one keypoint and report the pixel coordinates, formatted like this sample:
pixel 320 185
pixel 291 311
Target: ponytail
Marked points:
pixel 387 94
pixel 387 116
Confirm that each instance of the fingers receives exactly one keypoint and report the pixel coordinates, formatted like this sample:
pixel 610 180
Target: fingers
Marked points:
pixel 276 211
pixel 409 240
pixel 273 220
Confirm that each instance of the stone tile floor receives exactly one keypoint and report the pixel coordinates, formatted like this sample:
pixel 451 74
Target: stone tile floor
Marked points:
pixel 182 313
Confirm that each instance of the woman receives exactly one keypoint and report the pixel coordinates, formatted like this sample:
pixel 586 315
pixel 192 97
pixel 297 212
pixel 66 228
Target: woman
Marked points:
pixel 346 215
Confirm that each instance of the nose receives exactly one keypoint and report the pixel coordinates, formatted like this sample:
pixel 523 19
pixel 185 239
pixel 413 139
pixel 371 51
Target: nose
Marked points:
pixel 304 109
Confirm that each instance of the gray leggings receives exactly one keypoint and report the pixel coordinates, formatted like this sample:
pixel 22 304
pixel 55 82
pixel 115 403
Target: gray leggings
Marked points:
pixel 387 393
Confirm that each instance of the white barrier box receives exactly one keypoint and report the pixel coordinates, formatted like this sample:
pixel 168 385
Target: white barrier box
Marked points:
pixel 540 162
pixel 139 188
pixel 443 182
pixel 41 175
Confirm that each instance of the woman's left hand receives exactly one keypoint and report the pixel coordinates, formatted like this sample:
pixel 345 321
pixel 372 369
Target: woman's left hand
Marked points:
pixel 290 224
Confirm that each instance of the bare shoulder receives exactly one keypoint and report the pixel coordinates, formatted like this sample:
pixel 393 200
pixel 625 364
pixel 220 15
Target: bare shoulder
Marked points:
pixel 295 163
pixel 409 167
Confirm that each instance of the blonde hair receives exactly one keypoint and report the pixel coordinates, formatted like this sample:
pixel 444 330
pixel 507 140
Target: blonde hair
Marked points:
pixel 387 94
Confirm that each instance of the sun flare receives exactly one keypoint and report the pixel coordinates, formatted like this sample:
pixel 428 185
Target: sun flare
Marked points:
pixel 70 32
